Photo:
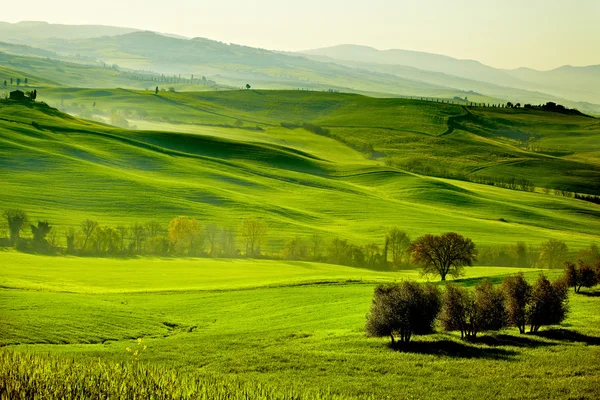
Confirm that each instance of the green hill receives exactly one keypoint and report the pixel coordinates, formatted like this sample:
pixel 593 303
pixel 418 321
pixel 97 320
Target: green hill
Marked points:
pixel 552 150
pixel 65 170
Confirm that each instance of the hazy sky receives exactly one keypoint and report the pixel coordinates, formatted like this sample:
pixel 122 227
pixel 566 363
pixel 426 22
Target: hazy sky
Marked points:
pixel 540 34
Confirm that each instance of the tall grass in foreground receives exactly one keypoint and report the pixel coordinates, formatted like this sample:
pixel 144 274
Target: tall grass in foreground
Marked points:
pixel 35 376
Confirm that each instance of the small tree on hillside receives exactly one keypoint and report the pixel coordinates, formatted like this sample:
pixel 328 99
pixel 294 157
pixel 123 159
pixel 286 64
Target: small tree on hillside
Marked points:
pixel 403 310
pixel 518 293
pixel 253 232
pixel 444 254
pixel 248 86
pixel 87 228
pixel 554 253
pixel 473 312
pixel 316 246
pixel 578 276
pixel 16 220
pixel 39 233
pixel 397 243
pixel 548 305
pixel 185 234
pixel 70 236
pixel 211 233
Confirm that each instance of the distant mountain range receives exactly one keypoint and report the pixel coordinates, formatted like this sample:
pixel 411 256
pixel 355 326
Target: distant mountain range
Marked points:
pixel 349 68
pixel 576 83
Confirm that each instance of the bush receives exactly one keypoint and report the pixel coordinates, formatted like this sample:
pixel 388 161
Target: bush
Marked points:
pixel 517 292
pixel 578 276
pixel 403 310
pixel 473 312
pixel 548 304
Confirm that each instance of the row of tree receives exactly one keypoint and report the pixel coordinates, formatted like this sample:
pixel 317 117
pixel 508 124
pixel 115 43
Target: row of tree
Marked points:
pixel 441 255
pixel 550 254
pixel 16 81
pixel 400 311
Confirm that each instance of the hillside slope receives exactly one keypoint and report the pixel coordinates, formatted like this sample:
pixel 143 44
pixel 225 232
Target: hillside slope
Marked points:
pixel 65 170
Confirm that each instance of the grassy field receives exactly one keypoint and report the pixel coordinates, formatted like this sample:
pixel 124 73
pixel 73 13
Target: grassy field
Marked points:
pixel 312 183
pixel 294 326
pixel 287 326
pixel 552 150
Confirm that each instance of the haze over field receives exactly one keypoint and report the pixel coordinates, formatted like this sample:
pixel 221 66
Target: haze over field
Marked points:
pixel 233 200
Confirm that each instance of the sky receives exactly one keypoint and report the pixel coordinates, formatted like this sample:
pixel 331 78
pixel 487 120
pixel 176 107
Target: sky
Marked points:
pixel 504 34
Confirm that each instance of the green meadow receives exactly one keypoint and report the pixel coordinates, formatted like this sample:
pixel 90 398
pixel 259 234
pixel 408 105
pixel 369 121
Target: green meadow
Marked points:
pixel 340 165
pixel 289 326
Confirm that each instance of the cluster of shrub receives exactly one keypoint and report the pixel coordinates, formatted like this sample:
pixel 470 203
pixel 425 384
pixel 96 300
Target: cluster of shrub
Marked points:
pixel 363 147
pixel 409 308
pixel 582 274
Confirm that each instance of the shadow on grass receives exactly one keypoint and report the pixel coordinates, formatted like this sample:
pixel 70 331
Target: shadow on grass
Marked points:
pixel 590 294
pixel 450 348
pixel 509 340
pixel 569 336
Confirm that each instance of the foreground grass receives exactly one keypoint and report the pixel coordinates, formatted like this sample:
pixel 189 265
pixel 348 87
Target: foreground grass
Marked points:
pixel 287 336
pixel 46 377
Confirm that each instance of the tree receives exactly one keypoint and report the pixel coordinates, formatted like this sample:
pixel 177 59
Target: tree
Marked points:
pixel 444 254
pixel 138 236
pixel 554 253
pixel 18 81
pixel 248 86
pixel 40 232
pixel 549 303
pixel 16 220
pixel 87 228
pixel 518 293
pixel 372 253
pixel 156 90
pixel 122 232
pixel 227 243
pixel 253 232
pixel 403 310
pixel 211 232
pixel 339 252
pixel 398 243
pixel 473 312
pixel 184 234
pixel 295 249
pixel 578 276
pixel 26 81
pixel 316 245
pixel 5 83
pixel 521 252
pixel 70 236
pixel 590 255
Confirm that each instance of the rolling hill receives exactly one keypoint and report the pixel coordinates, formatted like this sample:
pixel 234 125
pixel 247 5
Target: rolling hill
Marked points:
pixel 299 181
pixel 347 68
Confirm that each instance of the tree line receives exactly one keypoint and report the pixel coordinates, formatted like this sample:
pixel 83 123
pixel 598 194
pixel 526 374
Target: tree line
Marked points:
pixel 400 311
pixel 442 255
